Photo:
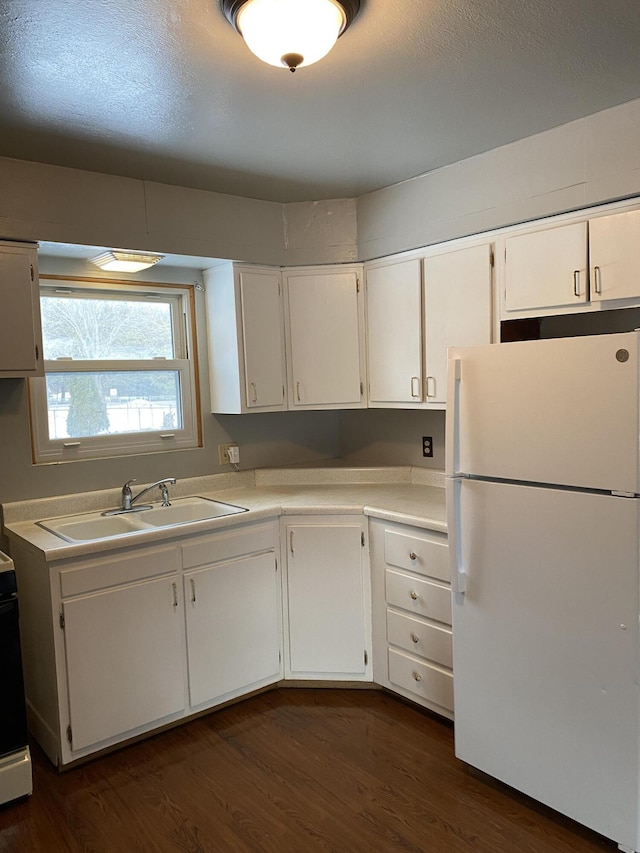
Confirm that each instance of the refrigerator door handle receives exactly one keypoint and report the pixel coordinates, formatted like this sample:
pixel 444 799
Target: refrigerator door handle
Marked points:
pixel 458 576
pixel 452 442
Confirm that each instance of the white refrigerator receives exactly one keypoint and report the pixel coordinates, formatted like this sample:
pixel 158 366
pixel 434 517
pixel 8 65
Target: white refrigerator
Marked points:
pixel 543 483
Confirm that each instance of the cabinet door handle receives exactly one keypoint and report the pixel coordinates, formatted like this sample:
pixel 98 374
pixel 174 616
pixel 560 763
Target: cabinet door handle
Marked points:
pixel 415 380
pixel 193 590
pixel 291 541
pixel 597 281
pixel 576 282
pixel 415 638
pixel 174 587
pixel 298 391
pixel 254 396
pixel 413 595
pixel 430 386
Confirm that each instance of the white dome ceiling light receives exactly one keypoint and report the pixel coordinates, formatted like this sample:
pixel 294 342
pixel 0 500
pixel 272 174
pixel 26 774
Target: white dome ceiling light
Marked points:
pixel 290 33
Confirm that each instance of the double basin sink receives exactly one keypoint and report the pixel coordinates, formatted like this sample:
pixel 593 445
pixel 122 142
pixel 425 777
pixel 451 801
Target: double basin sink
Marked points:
pixel 95 525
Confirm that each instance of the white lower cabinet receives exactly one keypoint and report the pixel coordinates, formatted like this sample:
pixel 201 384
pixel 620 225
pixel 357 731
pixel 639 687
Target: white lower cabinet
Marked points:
pixel 134 677
pixel 233 627
pixel 327 594
pixel 411 593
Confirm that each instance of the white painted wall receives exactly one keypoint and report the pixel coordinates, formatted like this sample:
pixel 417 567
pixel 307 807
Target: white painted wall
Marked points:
pixel 588 161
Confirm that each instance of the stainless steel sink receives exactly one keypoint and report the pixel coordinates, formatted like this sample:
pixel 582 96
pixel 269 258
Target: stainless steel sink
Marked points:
pixel 94 525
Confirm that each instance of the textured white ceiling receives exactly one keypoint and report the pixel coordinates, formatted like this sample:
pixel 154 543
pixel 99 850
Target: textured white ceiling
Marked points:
pixel 166 90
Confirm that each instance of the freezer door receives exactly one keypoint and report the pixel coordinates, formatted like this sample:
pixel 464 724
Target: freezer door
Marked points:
pixel 545 648
pixel 561 411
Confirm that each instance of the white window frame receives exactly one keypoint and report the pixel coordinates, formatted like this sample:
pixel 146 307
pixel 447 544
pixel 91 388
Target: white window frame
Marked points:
pixel 181 297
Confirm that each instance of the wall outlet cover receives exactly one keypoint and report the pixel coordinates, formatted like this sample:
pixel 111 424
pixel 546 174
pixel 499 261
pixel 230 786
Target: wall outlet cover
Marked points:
pixel 427 445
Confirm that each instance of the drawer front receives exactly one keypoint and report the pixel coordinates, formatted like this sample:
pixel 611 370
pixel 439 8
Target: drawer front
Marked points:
pixel 238 542
pixel 116 569
pixel 418 596
pixel 418 553
pixel 420 638
pixel 421 678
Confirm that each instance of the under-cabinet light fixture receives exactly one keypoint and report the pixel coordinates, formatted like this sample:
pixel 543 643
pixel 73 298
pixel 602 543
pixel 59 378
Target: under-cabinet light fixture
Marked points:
pixel 117 261
pixel 290 33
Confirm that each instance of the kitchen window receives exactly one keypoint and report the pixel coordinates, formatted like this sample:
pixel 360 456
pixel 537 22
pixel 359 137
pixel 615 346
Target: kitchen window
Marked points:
pixel 120 373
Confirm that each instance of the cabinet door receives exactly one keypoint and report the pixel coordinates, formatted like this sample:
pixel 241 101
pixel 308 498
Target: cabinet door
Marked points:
pixel 233 630
pixel 325 598
pixel 394 333
pixel 124 659
pixel 547 269
pixel 263 339
pixel 457 310
pixel 325 338
pixel 20 335
pixel 614 245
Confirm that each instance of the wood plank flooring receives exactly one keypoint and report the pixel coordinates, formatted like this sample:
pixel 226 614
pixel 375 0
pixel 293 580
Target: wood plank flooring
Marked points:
pixel 289 771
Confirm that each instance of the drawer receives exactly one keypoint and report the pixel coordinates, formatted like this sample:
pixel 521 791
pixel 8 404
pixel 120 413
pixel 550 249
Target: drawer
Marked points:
pixel 116 569
pixel 426 681
pixel 237 542
pixel 418 596
pixel 420 638
pixel 417 552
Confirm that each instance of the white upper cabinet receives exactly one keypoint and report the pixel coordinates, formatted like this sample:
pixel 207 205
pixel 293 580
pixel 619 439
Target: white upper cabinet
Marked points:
pixel 614 247
pixel 546 269
pixel 457 310
pixel 325 338
pixel 20 330
pixel 246 339
pixel 415 314
pixel 394 333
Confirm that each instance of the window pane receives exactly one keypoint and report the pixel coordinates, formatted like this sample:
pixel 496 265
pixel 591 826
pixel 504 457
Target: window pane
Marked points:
pixel 86 328
pixel 86 404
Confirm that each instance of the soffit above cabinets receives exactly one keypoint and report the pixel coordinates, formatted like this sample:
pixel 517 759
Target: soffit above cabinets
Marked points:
pixel 169 92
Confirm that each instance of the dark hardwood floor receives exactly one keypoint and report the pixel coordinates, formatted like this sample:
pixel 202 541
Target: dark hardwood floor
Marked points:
pixel 290 771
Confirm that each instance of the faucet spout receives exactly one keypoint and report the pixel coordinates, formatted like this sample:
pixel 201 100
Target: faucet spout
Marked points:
pixel 161 484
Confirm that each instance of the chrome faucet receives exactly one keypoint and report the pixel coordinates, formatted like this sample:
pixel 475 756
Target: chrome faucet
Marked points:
pixel 128 499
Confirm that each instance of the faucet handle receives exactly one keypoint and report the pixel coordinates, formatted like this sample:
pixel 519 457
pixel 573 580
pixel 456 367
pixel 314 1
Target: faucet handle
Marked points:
pixel 126 493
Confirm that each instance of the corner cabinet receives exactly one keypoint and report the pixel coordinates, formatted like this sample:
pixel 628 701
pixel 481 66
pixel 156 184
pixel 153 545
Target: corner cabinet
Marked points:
pixel 416 309
pixel 411 592
pixel 20 329
pixel 324 313
pixel 326 595
pixel 245 339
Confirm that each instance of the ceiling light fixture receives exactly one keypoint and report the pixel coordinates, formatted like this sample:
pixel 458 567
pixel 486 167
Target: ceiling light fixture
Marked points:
pixel 292 33
pixel 117 261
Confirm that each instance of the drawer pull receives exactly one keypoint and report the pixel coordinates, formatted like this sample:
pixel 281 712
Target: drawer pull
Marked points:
pixel 413 555
pixel 416 676
pixel 415 638
pixel 413 595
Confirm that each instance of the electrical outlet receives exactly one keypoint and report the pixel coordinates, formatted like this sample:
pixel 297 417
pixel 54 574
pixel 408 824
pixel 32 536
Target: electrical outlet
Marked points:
pixel 228 453
pixel 427 445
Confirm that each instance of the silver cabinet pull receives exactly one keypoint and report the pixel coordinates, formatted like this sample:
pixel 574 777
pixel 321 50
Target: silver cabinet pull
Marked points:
pixel 193 590
pixel 415 380
pixel 576 282
pixel 417 676
pixel 413 595
pixel 254 396
pixel 413 555
pixel 431 384
pixel 291 541
pixel 415 638
pixel 298 391
pixel 597 281
pixel 174 587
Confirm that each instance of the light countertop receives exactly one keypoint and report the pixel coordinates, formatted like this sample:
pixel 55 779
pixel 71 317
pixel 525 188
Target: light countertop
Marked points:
pixel 400 494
